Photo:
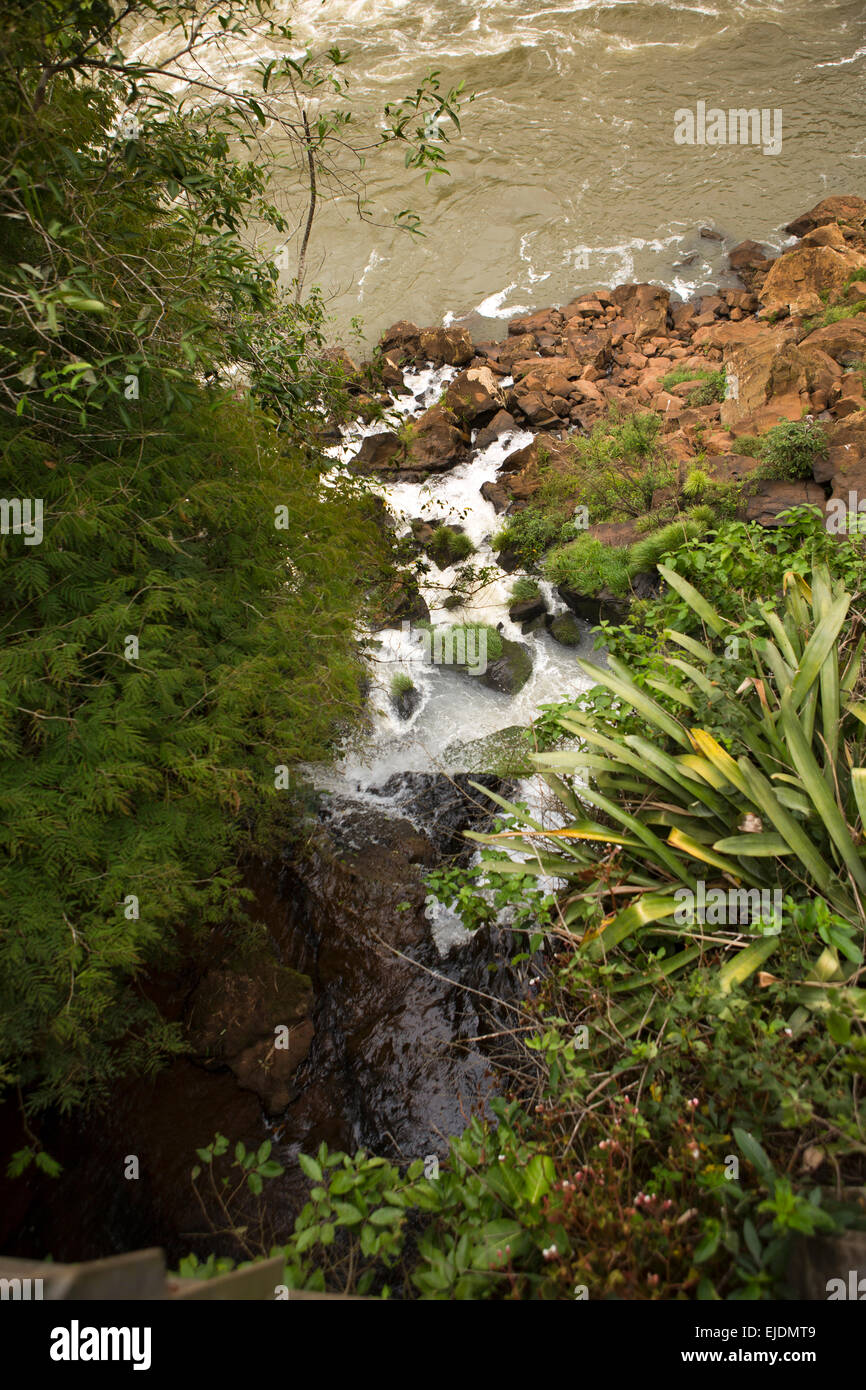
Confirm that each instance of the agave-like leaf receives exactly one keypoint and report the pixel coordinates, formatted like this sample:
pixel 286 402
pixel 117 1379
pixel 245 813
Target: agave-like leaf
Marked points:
pixel 696 601
pixel 661 971
pixel 652 907
pixel 817 648
pixel 858 784
pixel 633 695
pixel 756 844
pixel 698 649
pixel 819 792
pixel 711 691
pixel 745 963
pixel 692 847
pixel 673 692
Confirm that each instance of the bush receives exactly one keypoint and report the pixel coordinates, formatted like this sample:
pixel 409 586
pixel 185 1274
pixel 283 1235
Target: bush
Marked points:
pixel 401 684
pixel 529 533
pixel 646 553
pixel 789 450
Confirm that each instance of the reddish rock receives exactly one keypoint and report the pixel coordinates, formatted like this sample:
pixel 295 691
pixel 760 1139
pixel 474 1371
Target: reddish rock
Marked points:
pixel 770 498
pixel 377 453
pixel 749 262
pixel 646 305
pixel 798 279
pixel 402 338
pixel 474 394
pixel 446 347
pixel 848 211
pixel 844 341
pixel 437 441
pixel 502 423
pixel 545 321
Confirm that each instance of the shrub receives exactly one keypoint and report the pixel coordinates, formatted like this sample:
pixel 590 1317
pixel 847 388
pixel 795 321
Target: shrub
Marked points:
pixel 646 553
pixel 401 684
pixel 529 533
pixel 789 450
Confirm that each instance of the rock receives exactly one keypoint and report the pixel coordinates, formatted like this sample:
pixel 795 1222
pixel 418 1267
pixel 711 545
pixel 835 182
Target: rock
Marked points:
pixel 502 423
pixel 710 234
pixel 844 341
pixel 730 468
pixel 750 263
pixel 829 235
pixel 402 341
pixel 594 608
pixel 402 601
pixel 546 321
pixel 537 409
pixel 849 211
pixel 237 1016
pixel 770 497
pixel 508 560
pixel 391 373
pixel 437 441
pixel 509 672
pixel 591 349
pixel 768 368
pixel 797 280
pixel 446 347
pixel 523 610
pixel 406 702
pixel 497 494
pixel 377 453
pixel 474 394
pixel 566 630
pixel 647 306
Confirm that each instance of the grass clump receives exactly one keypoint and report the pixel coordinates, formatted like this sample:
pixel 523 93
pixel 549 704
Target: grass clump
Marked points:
pixel 401 684
pixel 524 588
pixel 712 388
pixel 588 565
pixel 447 547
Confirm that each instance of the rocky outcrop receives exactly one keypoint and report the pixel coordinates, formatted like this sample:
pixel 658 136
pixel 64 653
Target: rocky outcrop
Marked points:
pixel 797 280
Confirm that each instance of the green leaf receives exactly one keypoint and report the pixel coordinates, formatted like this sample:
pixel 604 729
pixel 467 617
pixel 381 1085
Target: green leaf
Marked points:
pixel 309 1166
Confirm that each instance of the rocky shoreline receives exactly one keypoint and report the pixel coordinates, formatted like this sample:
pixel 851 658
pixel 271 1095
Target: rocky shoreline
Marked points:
pixel 791 345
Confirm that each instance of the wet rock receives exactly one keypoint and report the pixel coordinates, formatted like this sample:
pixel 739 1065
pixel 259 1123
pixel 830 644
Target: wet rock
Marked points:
pixel 378 453
pixel 525 609
pixel 402 341
pixel 497 494
pixel 474 394
pixel 502 423
pixel 437 442
pixel 594 608
pixel 750 262
pixel 509 672
pixel 401 601
pixel 446 347
pixel 566 630
pixel 253 1015
pixel 406 701
pixel 444 805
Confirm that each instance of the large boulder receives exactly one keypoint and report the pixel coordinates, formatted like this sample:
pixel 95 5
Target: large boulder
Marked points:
pixel 510 671
pixel 438 441
pixel 797 281
pixel 402 340
pixel 594 608
pixel 770 497
pixel 848 211
pixel 446 347
pixel 844 341
pixel 646 306
pixel 379 453
pixel 474 394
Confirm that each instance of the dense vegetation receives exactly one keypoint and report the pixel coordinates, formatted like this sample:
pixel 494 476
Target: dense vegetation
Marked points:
pixel 180 633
